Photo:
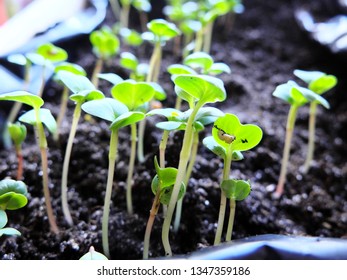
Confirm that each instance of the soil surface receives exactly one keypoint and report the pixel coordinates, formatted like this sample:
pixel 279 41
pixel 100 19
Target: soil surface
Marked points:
pixel 263 48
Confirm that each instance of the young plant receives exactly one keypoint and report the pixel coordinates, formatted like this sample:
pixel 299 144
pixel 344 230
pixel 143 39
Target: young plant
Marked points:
pixel 138 71
pixel 83 90
pixel 93 255
pixel 105 46
pixel 75 69
pixel 130 37
pixel 18 133
pixel 37 117
pixel 296 96
pixel 119 115
pixel 319 83
pixel 162 185
pixel 197 90
pixel 13 195
pixel 134 95
pixel 230 138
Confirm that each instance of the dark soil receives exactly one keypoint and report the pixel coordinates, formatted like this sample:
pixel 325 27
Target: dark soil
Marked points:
pixel 263 48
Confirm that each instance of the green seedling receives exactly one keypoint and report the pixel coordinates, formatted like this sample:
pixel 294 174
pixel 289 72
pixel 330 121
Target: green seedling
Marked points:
pixel 37 117
pixel 143 6
pixel 197 90
pixel 162 186
pixel 13 196
pixel 229 139
pixel 319 83
pixel 82 90
pixel 138 71
pixel 105 46
pixel 119 115
pixel 75 69
pixel 134 95
pixel 131 37
pixel 93 255
pixel 18 133
pixel 296 96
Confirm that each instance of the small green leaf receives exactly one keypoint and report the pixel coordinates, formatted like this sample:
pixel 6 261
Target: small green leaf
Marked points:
pixel 9 231
pixel 12 194
pixel 142 5
pixel 17 58
pixel 52 52
pixel 17 132
pixel 105 43
pixel 36 58
pixel 219 68
pixel 3 219
pixel 308 76
pixel 131 37
pixel 169 113
pixel 76 83
pixel 127 119
pixel 159 93
pixel 93 255
pixel 70 67
pixel 132 94
pixel 323 84
pixel 46 118
pixel 199 60
pixel 228 132
pixel 111 77
pixel 177 69
pixel 214 147
pixel 236 189
pixel 171 125
pixel 128 61
pixel 163 29
pixel 204 88
pixel 23 97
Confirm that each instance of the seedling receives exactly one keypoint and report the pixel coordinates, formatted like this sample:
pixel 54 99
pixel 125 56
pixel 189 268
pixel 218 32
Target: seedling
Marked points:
pixel 162 186
pixel 131 37
pixel 83 90
pixel 296 96
pixel 75 69
pixel 197 90
pixel 143 6
pixel 230 138
pixel 105 45
pixel 13 196
pixel 319 83
pixel 119 115
pixel 37 117
pixel 93 255
pixel 133 95
pixel 138 71
pixel 18 133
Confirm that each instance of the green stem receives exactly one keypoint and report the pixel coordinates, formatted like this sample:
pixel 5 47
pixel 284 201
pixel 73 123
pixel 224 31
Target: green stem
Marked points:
pixel 154 63
pixel 182 166
pixel 231 219
pixel 289 133
pixel 73 129
pixel 112 155
pixel 63 106
pixel 97 70
pixel 20 162
pixel 44 165
pixel 199 40
pixel 311 137
pixel 131 169
pixel 186 180
pixel 124 16
pixel 115 9
pixel 223 199
pixel 43 80
pixel 140 150
pixel 162 148
pixel 208 37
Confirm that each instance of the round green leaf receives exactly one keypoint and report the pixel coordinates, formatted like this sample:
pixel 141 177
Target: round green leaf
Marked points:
pixel 159 93
pixel 219 68
pixel 105 43
pixel 3 219
pixel 177 69
pixel 9 231
pixel 308 76
pixel 163 29
pixel 199 60
pixel 171 125
pixel 70 67
pixel 52 52
pixel 17 58
pixel 323 84
pixel 166 189
pixel 12 201
pixel 127 119
pixel 131 37
pixel 236 189
pixel 128 61
pixel 17 132
pixel 23 97
pixel 111 77
pixel 228 132
pixel 46 118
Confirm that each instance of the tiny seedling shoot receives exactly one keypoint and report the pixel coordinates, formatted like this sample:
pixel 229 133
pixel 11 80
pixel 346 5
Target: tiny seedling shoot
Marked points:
pixel 105 46
pixel 93 255
pixel 37 117
pixel 18 133
pixel 13 196
pixel 197 90
pixel 296 96
pixel 162 185
pixel 230 138
pixel 83 90
pixel 119 115
pixel 319 83
pixel 134 95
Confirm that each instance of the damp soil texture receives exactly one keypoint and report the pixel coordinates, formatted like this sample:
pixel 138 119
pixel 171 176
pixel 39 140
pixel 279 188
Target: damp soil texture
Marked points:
pixel 263 47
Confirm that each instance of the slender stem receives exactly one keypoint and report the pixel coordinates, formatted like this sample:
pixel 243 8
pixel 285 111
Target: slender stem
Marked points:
pixel 153 63
pixel 111 166
pixel 97 70
pixel 186 180
pixel 20 162
pixel 178 103
pixel 44 165
pixel 182 166
pixel 124 16
pixel 223 199
pixel 115 9
pixel 152 214
pixel 289 133
pixel 311 137
pixel 140 149
pixel 43 80
pixel 208 37
pixel 143 20
pixel 231 219
pixel 63 106
pixel 199 40
pixel 73 129
pixel 131 169
pixel 162 148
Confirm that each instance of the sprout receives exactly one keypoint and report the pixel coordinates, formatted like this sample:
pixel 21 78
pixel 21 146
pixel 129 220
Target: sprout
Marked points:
pixel 37 117
pixel 105 45
pixel 131 37
pixel 319 83
pixel 162 186
pixel 138 71
pixel 83 90
pixel 119 115
pixel 296 96
pixel 230 138
pixel 13 195
pixel 18 133
pixel 93 255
